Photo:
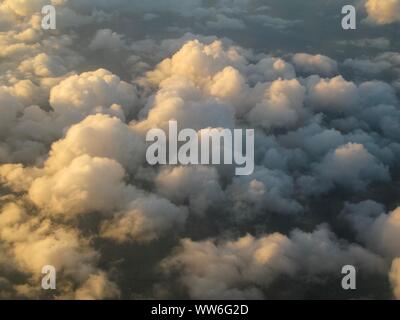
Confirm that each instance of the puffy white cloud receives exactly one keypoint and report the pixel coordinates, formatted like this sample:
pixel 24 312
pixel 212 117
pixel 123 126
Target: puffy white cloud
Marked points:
pixel 281 107
pixel 315 64
pixel 230 86
pixel 374 93
pixel 44 65
pixel 86 184
pixel 197 185
pixel 383 12
pixel 26 7
pixel 93 92
pixel 362 215
pixel 230 270
pixel 352 166
pixel 270 69
pixel 366 66
pixel 18 178
pixel 97 287
pixel 146 218
pixel 180 100
pixel 106 39
pixel 28 93
pixel 380 231
pixel 313 138
pixel 98 136
pixel 332 95
pixel 67 150
pixel 9 108
pixel 266 189
pixel 33 243
pixel 246 267
pixel 197 61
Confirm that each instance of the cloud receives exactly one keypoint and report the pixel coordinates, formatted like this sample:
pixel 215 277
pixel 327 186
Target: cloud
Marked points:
pixel 196 61
pixel 367 66
pixel 145 219
pixel 332 95
pixel 97 287
pixel 181 100
pixel 281 107
pixel 352 166
pixel 383 12
pixel 75 190
pixel 86 184
pixel 106 39
pixel 9 107
pixel 26 7
pixel 44 65
pixel 265 190
pixel 376 43
pixel 246 267
pixel 91 92
pixel 394 277
pixel 33 242
pixel 224 22
pixel 270 69
pixel 378 230
pixel 197 185
pixel 98 136
pixel 315 64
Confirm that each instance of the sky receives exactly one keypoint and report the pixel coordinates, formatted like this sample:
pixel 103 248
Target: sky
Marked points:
pixel 77 193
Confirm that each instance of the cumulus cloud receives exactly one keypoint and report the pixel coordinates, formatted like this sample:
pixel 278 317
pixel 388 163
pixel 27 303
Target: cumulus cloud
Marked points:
pixel 377 229
pixel 352 166
pixel 199 186
pixel 315 64
pixel 224 22
pixel 182 101
pixel 106 39
pixel 76 191
pixel 145 219
pixel 332 95
pixel 33 242
pixel 26 7
pixel 379 232
pixel 44 65
pixel 246 267
pixel 264 190
pixel 196 61
pixel 92 92
pixel 281 106
pixel 97 287
pixel 383 12
pixel 86 184
pixel 98 136
pixel 9 108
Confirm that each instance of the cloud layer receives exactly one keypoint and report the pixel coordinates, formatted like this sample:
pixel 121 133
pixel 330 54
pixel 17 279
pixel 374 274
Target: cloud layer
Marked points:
pixel 76 191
